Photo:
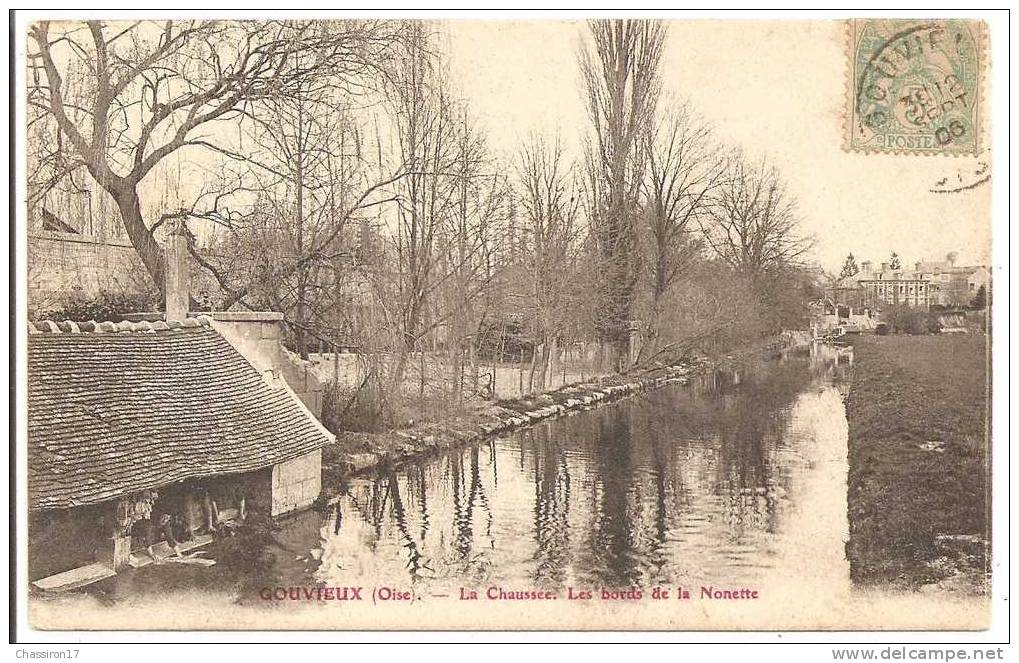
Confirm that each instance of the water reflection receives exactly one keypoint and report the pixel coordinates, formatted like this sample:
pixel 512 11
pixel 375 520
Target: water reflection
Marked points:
pixel 708 482
pixel 551 509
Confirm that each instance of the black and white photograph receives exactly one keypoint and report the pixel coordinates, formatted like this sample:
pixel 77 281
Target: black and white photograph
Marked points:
pixel 600 322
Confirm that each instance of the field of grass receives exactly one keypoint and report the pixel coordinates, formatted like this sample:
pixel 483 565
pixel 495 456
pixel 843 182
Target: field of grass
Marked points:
pixel 919 462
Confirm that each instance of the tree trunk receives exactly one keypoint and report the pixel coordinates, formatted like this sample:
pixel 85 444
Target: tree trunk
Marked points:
pixel 520 374
pixel 534 364
pixel 302 274
pixel 421 382
pixel 472 350
pixel 649 348
pixel 144 243
pixel 395 380
pixel 551 350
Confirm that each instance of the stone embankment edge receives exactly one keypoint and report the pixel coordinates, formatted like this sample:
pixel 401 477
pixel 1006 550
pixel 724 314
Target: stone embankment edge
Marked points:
pixel 406 445
pixel 504 418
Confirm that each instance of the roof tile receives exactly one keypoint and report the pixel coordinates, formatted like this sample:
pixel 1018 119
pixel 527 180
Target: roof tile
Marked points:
pixel 113 413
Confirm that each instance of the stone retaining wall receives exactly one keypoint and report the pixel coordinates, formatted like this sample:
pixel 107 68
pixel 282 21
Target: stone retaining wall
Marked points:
pixel 505 417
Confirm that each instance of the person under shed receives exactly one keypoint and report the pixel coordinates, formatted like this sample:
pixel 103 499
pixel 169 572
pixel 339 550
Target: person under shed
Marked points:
pixel 163 532
pixel 130 421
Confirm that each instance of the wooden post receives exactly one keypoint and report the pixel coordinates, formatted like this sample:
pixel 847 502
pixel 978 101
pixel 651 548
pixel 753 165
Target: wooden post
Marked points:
pixel 520 375
pixel 563 356
pixel 421 384
pixel 116 552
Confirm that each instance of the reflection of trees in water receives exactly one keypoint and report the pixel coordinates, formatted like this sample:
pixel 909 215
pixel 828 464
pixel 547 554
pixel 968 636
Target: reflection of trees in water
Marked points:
pixel 613 532
pixel 493 463
pixel 641 453
pixel 836 364
pixel 750 423
pixel 657 497
pixel 636 493
pixel 419 491
pixel 551 507
pixel 468 493
pixel 618 492
pixel 751 420
pixel 417 563
pixel 667 485
pixel 382 500
pixel 743 470
pixel 403 499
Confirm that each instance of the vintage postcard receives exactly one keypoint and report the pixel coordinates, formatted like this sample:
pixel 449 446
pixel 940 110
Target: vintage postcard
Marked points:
pixel 351 323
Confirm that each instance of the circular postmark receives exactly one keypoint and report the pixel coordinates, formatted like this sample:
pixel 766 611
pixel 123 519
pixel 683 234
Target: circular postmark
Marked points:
pixel 916 86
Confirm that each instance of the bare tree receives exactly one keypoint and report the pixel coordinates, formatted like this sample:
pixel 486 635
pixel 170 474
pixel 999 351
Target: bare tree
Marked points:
pixel 306 161
pixel 752 223
pixel 549 196
pixel 683 168
pixel 620 73
pixel 126 97
pixel 475 232
pixel 424 122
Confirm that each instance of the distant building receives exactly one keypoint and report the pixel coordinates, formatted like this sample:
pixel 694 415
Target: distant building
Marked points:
pixel 828 316
pixel 927 284
pixel 979 278
pixel 894 286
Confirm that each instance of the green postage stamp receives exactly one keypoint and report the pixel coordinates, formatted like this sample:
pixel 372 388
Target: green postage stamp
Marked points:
pixel 914 86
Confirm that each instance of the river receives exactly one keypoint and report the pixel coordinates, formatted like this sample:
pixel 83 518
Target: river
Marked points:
pixel 728 493
pixel 729 480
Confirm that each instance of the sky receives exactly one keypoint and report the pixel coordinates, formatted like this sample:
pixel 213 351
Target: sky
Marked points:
pixel 776 89
pixel 773 88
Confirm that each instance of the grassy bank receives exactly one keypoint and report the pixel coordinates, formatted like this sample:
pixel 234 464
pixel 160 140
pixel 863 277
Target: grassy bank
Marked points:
pixel 919 505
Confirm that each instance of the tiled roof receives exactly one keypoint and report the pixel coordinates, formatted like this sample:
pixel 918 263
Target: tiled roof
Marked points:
pixel 114 409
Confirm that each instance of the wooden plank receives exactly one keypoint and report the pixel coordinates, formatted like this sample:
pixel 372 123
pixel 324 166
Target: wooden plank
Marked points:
pixel 75 578
pixel 163 552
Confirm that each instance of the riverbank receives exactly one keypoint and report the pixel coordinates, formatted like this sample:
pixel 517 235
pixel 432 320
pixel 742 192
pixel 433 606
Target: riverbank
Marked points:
pixel 919 463
pixel 356 452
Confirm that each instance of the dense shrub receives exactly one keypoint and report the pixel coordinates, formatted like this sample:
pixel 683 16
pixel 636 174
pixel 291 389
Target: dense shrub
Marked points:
pixel 505 340
pixel 909 320
pixel 979 301
pixel 105 306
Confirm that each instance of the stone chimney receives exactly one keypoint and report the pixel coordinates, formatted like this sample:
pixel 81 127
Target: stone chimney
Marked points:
pixel 258 336
pixel 918 267
pixel 865 266
pixel 884 267
pixel 177 283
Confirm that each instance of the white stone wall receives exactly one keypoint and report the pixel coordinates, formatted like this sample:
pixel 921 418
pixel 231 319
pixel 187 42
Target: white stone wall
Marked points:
pixel 296 483
pixel 256 335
